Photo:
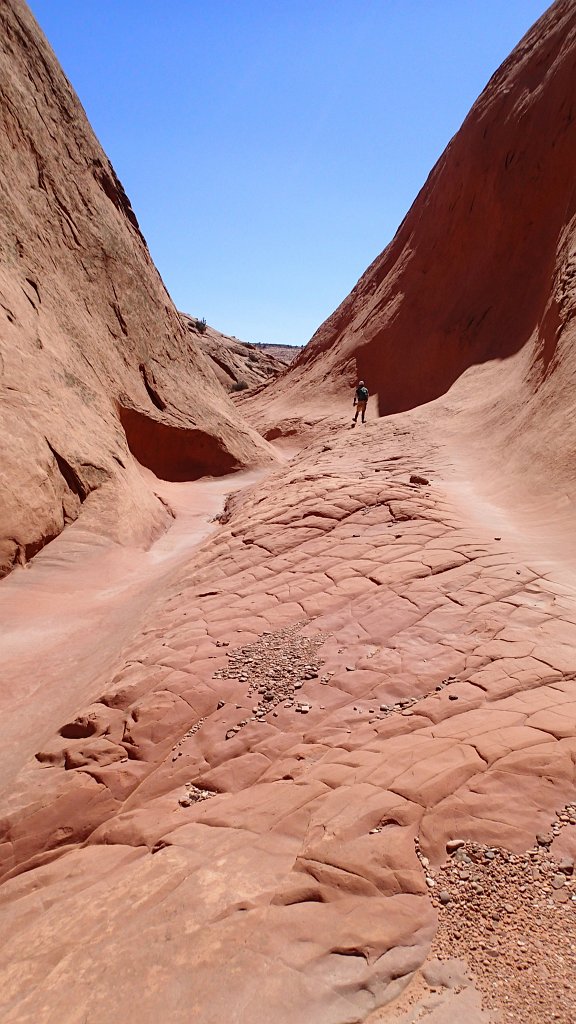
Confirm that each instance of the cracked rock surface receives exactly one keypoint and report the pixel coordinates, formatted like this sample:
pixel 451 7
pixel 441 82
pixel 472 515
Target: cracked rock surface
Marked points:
pixel 437 665
pixel 311 755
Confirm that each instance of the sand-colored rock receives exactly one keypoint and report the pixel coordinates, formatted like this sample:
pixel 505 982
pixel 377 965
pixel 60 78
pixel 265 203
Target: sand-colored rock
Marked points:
pixel 481 269
pixel 323 731
pixel 238 365
pixel 95 361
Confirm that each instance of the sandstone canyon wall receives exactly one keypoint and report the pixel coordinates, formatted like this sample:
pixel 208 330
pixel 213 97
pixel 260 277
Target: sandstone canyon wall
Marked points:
pixel 237 364
pixel 481 269
pixel 271 769
pixel 94 359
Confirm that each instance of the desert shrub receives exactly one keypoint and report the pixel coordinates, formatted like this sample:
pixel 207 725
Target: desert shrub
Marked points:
pixel 252 357
pixel 201 325
pixel 239 385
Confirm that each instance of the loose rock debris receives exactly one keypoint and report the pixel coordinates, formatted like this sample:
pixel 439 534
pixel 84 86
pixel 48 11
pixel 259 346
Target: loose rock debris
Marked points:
pixel 194 795
pixel 275 667
pixel 191 732
pixel 403 707
pixel 512 917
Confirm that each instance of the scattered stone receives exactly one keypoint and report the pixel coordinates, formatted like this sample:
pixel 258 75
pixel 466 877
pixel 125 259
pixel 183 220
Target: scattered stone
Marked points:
pixel 544 839
pixel 275 666
pixel 194 795
pixel 511 916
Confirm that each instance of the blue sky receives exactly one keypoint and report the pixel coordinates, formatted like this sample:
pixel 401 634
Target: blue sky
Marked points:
pixel 270 148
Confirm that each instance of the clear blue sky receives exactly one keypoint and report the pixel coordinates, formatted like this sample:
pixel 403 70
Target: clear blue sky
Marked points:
pixel 270 148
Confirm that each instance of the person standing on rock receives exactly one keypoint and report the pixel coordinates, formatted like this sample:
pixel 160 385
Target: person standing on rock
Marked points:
pixel 360 401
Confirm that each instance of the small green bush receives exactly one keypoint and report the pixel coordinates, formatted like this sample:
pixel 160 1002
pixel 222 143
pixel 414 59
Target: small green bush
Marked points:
pixel 201 325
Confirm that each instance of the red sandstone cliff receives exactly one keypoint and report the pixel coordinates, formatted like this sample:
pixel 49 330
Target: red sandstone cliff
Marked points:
pixel 237 364
pixel 208 809
pixel 482 267
pixel 95 361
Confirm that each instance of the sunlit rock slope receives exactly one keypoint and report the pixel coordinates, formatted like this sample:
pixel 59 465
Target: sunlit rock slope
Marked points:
pixel 94 359
pixel 313 761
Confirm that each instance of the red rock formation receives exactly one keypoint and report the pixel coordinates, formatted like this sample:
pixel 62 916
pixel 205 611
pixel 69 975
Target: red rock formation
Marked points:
pixel 90 341
pixel 280 764
pixel 237 364
pixel 482 267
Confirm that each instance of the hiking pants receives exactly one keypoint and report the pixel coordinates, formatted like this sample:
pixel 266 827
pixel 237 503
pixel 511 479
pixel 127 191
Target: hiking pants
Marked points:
pixel 361 407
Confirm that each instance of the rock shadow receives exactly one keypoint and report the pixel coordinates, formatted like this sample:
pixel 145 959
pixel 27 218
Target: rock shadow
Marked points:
pixel 174 453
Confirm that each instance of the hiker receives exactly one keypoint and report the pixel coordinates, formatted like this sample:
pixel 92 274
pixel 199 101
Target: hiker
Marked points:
pixel 360 401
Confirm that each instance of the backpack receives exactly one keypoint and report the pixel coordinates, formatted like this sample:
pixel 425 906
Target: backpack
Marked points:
pixel 362 394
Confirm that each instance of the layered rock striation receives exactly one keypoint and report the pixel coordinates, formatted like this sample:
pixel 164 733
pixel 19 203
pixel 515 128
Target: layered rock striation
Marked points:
pixel 483 266
pixel 307 746
pixel 238 365
pixel 95 362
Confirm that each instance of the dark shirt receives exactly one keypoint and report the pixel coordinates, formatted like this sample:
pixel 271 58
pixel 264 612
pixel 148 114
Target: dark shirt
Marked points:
pixel 362 397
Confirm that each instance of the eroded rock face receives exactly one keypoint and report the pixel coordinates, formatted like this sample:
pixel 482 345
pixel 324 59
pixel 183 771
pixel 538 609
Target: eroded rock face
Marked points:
pixel 238 365
pixel 482 267
pixel 340 733
pixel 90 339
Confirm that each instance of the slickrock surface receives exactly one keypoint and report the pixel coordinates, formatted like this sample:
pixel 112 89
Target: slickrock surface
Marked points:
pixel 236 364
pixel 311 757
pixel 94 360
pixel 349 664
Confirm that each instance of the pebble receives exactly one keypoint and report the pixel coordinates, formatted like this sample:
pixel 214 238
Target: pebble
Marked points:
pixel 517 935
pixel 273 667
pixel 454 844
pixel 544 839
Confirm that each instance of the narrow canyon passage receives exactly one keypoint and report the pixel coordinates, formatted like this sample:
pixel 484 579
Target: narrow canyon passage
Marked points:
pixel 308 756
pixel 347 674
